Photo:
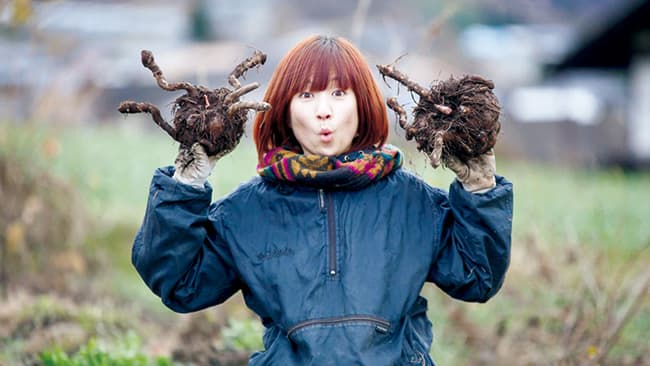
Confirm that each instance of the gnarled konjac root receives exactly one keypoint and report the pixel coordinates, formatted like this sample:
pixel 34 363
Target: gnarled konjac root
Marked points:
pixel 214 118
pixel 455 117
pixel 402 118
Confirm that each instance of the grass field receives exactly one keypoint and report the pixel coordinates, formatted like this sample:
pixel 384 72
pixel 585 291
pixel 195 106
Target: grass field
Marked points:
pixel 580 239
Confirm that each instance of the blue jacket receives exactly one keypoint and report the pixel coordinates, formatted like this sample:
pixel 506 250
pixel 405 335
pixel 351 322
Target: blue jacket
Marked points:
pixel 335 276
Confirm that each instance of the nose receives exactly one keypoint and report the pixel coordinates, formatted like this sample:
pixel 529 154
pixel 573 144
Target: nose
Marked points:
pixel 323 109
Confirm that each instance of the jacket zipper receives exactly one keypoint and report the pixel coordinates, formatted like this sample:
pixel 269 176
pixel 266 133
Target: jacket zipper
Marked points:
pixel 382 326
pixel 327 203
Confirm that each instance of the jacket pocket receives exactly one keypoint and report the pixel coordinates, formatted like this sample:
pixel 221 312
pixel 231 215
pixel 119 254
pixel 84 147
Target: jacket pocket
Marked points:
pixel 380 325
pixel 344 340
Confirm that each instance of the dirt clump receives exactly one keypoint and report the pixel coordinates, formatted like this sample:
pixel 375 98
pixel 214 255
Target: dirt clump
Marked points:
pixel 455 117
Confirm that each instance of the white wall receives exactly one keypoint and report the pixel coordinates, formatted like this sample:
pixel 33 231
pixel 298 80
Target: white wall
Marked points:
pixel 639 119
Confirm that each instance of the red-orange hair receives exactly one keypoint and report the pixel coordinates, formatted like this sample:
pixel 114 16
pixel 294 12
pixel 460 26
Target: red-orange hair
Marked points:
pixel 313 60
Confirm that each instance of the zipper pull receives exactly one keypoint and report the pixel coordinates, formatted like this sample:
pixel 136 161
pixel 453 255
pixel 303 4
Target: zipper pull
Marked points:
pixel 321 200
pixel 382 329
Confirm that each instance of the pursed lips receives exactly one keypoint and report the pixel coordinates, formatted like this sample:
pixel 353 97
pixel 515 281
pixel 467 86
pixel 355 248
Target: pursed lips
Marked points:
pixel 325 135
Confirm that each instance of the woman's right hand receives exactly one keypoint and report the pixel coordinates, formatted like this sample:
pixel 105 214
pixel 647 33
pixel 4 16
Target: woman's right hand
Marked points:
pixel 193 165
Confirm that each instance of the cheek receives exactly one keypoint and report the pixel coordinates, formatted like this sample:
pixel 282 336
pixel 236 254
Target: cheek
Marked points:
pixel 296 114
pixel 294 118
pixel 354 129
pixel 292 112
pixel 296 123
pixel 354 117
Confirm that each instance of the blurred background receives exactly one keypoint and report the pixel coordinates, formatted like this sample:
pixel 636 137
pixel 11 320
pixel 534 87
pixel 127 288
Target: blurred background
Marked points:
pixel 573 79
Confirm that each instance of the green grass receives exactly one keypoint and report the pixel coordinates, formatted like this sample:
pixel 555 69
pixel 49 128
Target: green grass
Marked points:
pixel 111 167
pixel 124 352
pixel 604 208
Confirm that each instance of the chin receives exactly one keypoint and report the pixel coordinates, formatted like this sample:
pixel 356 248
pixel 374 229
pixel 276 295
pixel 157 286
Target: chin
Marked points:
pixel 328 150
pixel 331 152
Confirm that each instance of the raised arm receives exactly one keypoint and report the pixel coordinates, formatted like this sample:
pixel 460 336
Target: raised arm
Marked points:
pixel 474 232
pixel 178 251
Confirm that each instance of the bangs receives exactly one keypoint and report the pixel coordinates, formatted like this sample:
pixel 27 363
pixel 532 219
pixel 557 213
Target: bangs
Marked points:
pixel 321 62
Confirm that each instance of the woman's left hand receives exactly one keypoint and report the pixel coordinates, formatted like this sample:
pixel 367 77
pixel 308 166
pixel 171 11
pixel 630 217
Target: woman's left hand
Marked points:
pixel 477 174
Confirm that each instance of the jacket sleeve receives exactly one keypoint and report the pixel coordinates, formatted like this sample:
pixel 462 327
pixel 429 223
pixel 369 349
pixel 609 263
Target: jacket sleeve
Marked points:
pixel 178 250
pixel 474 233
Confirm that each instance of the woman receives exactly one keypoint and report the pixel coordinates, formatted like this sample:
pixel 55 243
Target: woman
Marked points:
pixel 333 241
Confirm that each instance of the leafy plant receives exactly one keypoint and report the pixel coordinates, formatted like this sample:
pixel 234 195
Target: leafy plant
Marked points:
pixel 243 335
pixel 126 352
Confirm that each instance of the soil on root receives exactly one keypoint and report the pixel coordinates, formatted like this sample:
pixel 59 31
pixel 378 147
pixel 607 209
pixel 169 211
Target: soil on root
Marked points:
pixel 455 117
pixel 204 118
pixel 470 126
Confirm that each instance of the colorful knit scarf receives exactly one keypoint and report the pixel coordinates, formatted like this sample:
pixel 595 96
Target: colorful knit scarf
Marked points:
pixel 348 171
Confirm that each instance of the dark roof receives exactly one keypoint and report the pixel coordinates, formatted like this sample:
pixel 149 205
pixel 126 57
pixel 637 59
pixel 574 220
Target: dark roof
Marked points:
pixel 614 43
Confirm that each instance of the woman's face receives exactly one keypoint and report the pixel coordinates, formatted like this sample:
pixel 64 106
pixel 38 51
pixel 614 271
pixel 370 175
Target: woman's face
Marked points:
pixel 324 122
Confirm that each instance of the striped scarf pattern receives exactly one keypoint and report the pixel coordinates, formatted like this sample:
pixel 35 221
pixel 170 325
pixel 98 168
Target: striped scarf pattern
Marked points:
pixel 349 171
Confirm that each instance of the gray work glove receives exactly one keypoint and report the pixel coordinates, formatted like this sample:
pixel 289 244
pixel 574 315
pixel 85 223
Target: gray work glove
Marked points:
pixel 193 165
pixel 477 174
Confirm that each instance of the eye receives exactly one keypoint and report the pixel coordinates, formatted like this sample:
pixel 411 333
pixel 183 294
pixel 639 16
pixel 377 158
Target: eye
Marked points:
pixel 338 93
pixel 305 95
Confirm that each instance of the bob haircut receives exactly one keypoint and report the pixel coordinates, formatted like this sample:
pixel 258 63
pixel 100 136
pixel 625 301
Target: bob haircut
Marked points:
pixel 309 65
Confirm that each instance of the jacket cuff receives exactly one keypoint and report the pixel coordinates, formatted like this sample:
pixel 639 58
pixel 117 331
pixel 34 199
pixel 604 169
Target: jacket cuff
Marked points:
pixel 163 180
pixel 502 186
